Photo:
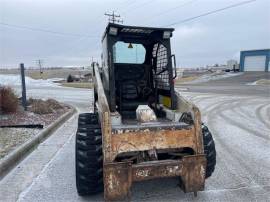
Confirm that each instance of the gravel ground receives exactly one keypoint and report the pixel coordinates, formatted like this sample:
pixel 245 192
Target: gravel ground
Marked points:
pixel 10 138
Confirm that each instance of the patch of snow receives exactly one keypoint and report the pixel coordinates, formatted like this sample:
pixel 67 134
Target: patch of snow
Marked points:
pixel 55 79
pixel 252 83
pixel 182 89
pixel 212 77
pixel 15 80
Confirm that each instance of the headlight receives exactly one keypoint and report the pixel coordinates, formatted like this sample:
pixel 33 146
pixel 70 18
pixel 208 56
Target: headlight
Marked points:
pixel 166 34
pixel 113 31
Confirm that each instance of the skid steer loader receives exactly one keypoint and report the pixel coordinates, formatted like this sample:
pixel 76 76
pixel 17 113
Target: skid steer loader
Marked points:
pixel 140 128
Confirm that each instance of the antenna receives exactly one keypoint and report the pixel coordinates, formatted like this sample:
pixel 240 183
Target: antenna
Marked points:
pixel 113 17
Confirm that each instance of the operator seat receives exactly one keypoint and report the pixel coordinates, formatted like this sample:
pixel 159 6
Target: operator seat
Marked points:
pixel 128 92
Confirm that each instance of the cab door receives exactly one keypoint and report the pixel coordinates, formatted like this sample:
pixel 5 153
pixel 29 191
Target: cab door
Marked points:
pixel 163 75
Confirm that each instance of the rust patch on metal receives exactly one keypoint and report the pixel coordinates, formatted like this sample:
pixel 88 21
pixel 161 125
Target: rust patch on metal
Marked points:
pixel 104 117
pixel 118 177
pixel 117 181
pixel 185 106
pixel 198 130
pixel 147 140
pixel 156 169
pixel 193 177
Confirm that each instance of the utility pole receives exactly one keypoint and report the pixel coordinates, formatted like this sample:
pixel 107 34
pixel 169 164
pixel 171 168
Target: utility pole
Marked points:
pixel 39 63
pixel 114 18
pixel 92 62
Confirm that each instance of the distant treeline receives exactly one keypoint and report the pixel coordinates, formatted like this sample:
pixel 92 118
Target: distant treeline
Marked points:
pixel 43 68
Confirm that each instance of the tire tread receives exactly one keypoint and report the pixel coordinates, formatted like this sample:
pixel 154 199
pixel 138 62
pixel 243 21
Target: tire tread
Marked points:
pixel 209 151
pixel 89 161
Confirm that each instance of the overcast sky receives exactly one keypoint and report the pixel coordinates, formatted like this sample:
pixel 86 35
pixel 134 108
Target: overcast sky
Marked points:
pixel 204 41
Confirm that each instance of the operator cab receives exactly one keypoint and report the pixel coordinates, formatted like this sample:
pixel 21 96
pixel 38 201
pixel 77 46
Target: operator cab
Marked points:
pixel 137 69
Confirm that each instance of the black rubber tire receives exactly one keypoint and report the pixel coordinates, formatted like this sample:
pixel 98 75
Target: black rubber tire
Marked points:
pixel 88 158
pixel 87 119
pixel 209 151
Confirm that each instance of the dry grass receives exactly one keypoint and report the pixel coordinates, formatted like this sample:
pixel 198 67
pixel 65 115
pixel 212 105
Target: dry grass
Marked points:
pixel 185 79
pixel 263 82
pixel 39 106
pixel 8 100
pixel 78 84
pixel 37 75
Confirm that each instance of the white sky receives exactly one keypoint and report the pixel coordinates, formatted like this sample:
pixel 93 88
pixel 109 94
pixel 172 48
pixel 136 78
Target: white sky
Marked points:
pixel 207 40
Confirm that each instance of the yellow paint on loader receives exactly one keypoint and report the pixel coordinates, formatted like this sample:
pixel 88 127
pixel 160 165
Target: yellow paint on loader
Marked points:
pixel 165 100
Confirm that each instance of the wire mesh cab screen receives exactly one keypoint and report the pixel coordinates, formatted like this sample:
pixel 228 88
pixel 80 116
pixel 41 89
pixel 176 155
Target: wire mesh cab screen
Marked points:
pixel 161 73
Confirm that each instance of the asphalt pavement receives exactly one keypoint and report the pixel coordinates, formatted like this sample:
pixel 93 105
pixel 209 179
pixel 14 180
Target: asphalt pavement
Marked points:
pixel 240 124
pixel 236 85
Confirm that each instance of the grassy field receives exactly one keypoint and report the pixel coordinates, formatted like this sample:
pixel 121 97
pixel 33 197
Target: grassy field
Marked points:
pixel 185 79
pixel 77 84
pixel 48 73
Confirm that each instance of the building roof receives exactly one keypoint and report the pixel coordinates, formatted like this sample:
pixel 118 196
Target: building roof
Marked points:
pixel 266 49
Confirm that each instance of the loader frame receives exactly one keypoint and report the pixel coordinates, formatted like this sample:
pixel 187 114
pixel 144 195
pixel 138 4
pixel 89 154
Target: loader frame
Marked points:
pixel 119 176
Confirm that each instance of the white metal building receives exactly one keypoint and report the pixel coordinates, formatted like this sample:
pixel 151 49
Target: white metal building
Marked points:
pixel 255 60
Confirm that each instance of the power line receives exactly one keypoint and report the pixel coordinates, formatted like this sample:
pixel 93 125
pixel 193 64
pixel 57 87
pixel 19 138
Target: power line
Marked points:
pixel 124 4
pixel 211 12
pixel 171 9
pixel 45 30
pixel 81 37
pixel 128 5
pixel 131 7
pixel 84 46
pixel 137 7
pixel 129 2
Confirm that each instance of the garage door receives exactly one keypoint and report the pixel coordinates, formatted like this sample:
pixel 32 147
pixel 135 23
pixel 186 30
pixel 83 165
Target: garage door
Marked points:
pixel 254 63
